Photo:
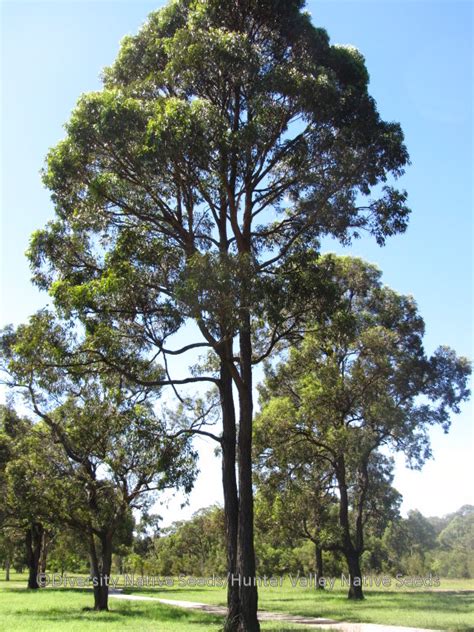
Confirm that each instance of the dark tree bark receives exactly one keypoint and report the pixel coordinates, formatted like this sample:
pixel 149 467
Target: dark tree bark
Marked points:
pixel 351 552
pixel 45 543
pixel 318 554
pixel 355 586
pixel 7 568
pixel 34 538
pixel 246 552
pixel 229 484
pixel 101 563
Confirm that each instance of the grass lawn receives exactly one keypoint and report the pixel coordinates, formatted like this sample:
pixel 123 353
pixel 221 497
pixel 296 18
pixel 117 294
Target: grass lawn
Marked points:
pixel 446 608
pixel 23 610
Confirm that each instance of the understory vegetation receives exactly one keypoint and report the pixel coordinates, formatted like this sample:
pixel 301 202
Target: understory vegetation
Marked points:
pixel 412 546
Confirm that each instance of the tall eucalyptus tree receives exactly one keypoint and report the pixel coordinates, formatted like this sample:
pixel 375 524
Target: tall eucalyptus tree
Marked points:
pixel 228 138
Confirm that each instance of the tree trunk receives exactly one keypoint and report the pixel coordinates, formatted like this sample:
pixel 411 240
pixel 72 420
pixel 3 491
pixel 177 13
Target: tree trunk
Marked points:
pixel 43 557
pixel 231 499
pixel 101 597
pixel 246 552
pixel 355 586
pixel 100 565
pixel 351 553
pixel 319 565
pixel 7 568
pixel 34 537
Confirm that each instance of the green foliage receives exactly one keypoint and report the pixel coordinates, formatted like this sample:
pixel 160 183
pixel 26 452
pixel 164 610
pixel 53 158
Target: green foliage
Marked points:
pixel 194 547
pixel 227 140
pixel 68 552
pixel 358 381
pixel 210 115
pixel 97 450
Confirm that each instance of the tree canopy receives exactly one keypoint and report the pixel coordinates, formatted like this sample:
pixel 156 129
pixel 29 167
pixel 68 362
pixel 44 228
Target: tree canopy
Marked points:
pixel 98 449
pixel 358 382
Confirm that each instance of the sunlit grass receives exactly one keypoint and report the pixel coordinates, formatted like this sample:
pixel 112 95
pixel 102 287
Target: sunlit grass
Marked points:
pixel 23 610
pixel 451 607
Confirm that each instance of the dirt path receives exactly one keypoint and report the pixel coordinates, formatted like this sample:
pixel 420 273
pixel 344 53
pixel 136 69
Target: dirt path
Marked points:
pixel 326 624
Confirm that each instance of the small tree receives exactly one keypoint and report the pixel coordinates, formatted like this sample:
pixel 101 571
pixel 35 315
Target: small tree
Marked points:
pixel 21 516
pixel 294 498
pixel 69 552
pixel 357 382
pixel 99 450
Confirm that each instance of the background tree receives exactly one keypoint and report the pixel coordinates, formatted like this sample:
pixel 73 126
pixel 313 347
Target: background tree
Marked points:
pixel 280 550
pixel 358 382
pixel 295 499
pixel 69 552
pixel 32 494
pixel 22 515
pixel 193 547
pixel 12 549
pixel 442 546
pixel 420 538
pixel 228 138
pixel 98 452
pixel 7 534
pixel 297 495
pixel 456 542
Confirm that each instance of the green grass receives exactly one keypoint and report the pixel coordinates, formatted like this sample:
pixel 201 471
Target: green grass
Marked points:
pixel 446 608
pixel 23 610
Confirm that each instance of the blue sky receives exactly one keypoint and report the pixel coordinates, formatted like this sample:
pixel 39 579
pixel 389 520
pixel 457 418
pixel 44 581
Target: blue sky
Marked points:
pixel 419 56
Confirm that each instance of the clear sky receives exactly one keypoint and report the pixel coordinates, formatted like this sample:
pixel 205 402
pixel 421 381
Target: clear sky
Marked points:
pixel 420 59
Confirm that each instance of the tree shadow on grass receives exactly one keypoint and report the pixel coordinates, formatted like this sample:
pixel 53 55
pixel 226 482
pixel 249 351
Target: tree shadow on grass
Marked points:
pixel 445 602
pixel 57 614
pixel 152 613
pixel 159 591
pixel 48 590
pixel 448 605
pixel 300 628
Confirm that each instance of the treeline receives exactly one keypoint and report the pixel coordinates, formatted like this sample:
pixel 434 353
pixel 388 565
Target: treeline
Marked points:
pixel 412 546
pixel 415 545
